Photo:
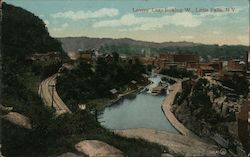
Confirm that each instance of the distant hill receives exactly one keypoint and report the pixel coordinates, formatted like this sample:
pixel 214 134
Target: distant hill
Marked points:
pixel 130 47
pixel 74 43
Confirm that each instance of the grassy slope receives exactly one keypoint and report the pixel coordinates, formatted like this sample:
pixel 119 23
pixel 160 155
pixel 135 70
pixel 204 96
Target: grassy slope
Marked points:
pixel 50 135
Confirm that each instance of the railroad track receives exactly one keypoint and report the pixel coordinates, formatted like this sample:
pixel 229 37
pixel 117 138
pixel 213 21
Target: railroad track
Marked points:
pixel 46 92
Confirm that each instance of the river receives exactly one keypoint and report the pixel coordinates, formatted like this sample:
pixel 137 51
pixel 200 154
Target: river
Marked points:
pixel 143 111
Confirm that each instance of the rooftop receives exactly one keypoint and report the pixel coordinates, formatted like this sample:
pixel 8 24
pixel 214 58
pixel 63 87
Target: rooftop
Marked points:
pixel 113 91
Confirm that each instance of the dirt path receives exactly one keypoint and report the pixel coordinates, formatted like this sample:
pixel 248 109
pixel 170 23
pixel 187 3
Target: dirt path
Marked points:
pixel 177 144
pixel 166 107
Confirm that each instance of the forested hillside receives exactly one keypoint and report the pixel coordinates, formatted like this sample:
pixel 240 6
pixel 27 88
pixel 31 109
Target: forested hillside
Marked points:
pixel 132 47
pixel 23 34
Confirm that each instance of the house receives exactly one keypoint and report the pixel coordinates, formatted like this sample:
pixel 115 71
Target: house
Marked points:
pixel 114 93
pixel 132 85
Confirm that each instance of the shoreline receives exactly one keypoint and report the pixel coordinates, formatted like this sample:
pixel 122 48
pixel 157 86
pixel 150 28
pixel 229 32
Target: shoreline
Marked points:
pixel 176 144
pixel 122 96
pixel 166 108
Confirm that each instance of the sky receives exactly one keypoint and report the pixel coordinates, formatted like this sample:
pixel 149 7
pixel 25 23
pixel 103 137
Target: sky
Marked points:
pixel 201 21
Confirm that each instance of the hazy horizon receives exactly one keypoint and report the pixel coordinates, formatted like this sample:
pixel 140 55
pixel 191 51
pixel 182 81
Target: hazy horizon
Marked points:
pixel 151 41
pixel 222 22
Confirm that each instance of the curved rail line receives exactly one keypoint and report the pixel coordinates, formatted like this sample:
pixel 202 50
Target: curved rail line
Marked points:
pixel 45 92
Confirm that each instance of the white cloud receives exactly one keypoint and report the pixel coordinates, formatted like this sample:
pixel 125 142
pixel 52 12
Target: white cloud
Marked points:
pixel 187 37
pixel 65 25
pixel 61 28
pixel 216 32
pixel 80 15
pixel 151 23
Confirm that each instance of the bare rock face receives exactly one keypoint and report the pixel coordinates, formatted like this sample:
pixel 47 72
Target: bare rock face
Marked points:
pixel 18 119
pixel 95 148
pixel 166 155
pixel 69 154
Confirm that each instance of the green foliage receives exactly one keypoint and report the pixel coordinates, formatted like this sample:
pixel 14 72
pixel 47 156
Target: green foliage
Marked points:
pixel 49 70
pixel 18 43
pixel 23 35
pixel 86 82
pixel 20 28
pixel 194 108
pixel 239 84
pixel 200 99
pixel 115 56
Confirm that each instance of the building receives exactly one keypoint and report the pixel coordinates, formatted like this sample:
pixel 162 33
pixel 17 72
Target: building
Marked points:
pixel 188 58
pixel 132 85
pixel 179 57
pixel 205 70
pixel 236 65
pixel 208 69
pixel 114 93
pixel 248 60
pixel 147 60
pixel 167 60
pixel 167 57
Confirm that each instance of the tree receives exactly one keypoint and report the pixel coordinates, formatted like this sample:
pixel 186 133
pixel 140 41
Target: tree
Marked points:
pixel 115 56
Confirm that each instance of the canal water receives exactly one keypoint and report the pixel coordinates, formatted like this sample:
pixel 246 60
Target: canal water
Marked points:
pixel 143 111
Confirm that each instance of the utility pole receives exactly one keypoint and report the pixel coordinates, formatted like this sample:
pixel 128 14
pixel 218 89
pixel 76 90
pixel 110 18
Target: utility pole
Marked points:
pixel 52 94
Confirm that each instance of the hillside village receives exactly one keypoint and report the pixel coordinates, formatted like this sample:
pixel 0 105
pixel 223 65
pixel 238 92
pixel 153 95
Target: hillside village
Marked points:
pixel 227 81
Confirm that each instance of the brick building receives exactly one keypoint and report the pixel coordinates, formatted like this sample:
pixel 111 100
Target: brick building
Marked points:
pixel 209 68
pixel 236 65
pixel 180 58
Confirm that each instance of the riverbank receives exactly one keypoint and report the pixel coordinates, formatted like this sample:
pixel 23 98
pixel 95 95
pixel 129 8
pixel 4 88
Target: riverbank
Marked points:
pixel 176 144
pixel 105 102
pixel 166 107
